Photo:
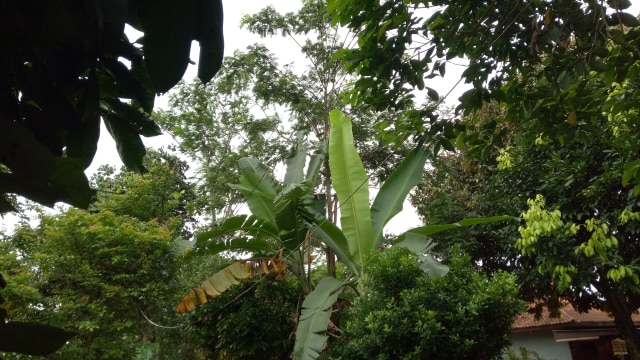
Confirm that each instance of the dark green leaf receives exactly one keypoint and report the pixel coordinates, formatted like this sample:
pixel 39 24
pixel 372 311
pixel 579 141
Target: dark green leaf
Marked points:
pixel 433 95
pixel 169 29
pixel 209 33
pixel 70 181
pixel 83 139
pixel 32 339
pixel 128 142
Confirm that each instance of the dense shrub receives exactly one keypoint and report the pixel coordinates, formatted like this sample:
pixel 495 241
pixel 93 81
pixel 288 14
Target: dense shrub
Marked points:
pixel 405 314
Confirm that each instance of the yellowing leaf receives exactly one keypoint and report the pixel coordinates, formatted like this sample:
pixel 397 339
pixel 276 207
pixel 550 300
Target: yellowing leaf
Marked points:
pixel 233 274
pixel 208 287
pixel 547 17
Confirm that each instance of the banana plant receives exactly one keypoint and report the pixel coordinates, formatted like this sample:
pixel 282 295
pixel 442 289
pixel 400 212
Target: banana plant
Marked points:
pixel 361 228
pixel 274 234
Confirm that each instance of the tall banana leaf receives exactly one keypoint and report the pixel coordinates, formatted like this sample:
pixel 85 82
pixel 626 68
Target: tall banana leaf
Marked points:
pixel 351 185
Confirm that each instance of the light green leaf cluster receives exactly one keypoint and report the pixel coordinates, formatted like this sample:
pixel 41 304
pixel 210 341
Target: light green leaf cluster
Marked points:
pixel 621 272
pixel 628 215
pixel 538 222
pixel 599 241
pixel 504 159
pixel 562 274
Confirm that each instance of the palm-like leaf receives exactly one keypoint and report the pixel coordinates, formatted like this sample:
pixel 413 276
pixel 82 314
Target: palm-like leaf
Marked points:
pixel 259 229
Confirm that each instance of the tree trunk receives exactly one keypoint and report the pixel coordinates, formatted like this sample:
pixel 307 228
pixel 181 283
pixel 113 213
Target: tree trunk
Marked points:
pixel 332 209
pixel 614 300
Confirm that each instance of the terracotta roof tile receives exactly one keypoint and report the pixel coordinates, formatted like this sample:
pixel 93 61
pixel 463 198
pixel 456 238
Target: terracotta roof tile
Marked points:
pixel 569 317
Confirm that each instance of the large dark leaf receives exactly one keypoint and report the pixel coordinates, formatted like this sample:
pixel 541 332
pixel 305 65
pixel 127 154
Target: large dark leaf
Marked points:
pixel 169 30
pixel 23 154
pixel 142 124
pixel 82 142
pixel 129 86
pixel 128 142
pixel 32 339
pixel 71 183
pixel 210 36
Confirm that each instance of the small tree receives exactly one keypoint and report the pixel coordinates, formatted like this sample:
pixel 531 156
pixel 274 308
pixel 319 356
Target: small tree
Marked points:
pixel 406 314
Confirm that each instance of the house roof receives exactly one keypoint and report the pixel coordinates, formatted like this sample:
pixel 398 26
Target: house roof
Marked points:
pixel 569 318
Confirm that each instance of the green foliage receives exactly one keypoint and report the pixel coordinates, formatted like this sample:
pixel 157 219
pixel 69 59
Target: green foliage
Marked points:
pixel 310 95
pixel 99 274
pixel 63 70
pixel 162 194
pixel 95 274
pixel 251 321
pixel 406 314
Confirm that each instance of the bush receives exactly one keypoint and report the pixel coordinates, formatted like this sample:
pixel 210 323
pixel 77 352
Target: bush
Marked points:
pixel 405 314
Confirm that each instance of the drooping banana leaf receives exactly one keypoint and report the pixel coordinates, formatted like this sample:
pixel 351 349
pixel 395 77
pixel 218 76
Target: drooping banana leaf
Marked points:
pixel 394 191
pixel 214 286
pixel 259 195
pixel 249 224
pixel 351 185
pixel 314 318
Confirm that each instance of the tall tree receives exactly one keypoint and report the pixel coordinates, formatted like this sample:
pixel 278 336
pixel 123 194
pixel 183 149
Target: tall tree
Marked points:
pixel 63 70
pixel 578 241
pixel 95 274
pixel 216 125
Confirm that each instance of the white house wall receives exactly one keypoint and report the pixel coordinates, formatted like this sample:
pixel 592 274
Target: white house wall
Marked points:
pixel 543 343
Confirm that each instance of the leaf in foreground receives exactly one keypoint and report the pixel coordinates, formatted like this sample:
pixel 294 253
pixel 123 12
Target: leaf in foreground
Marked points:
pixel 316 313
